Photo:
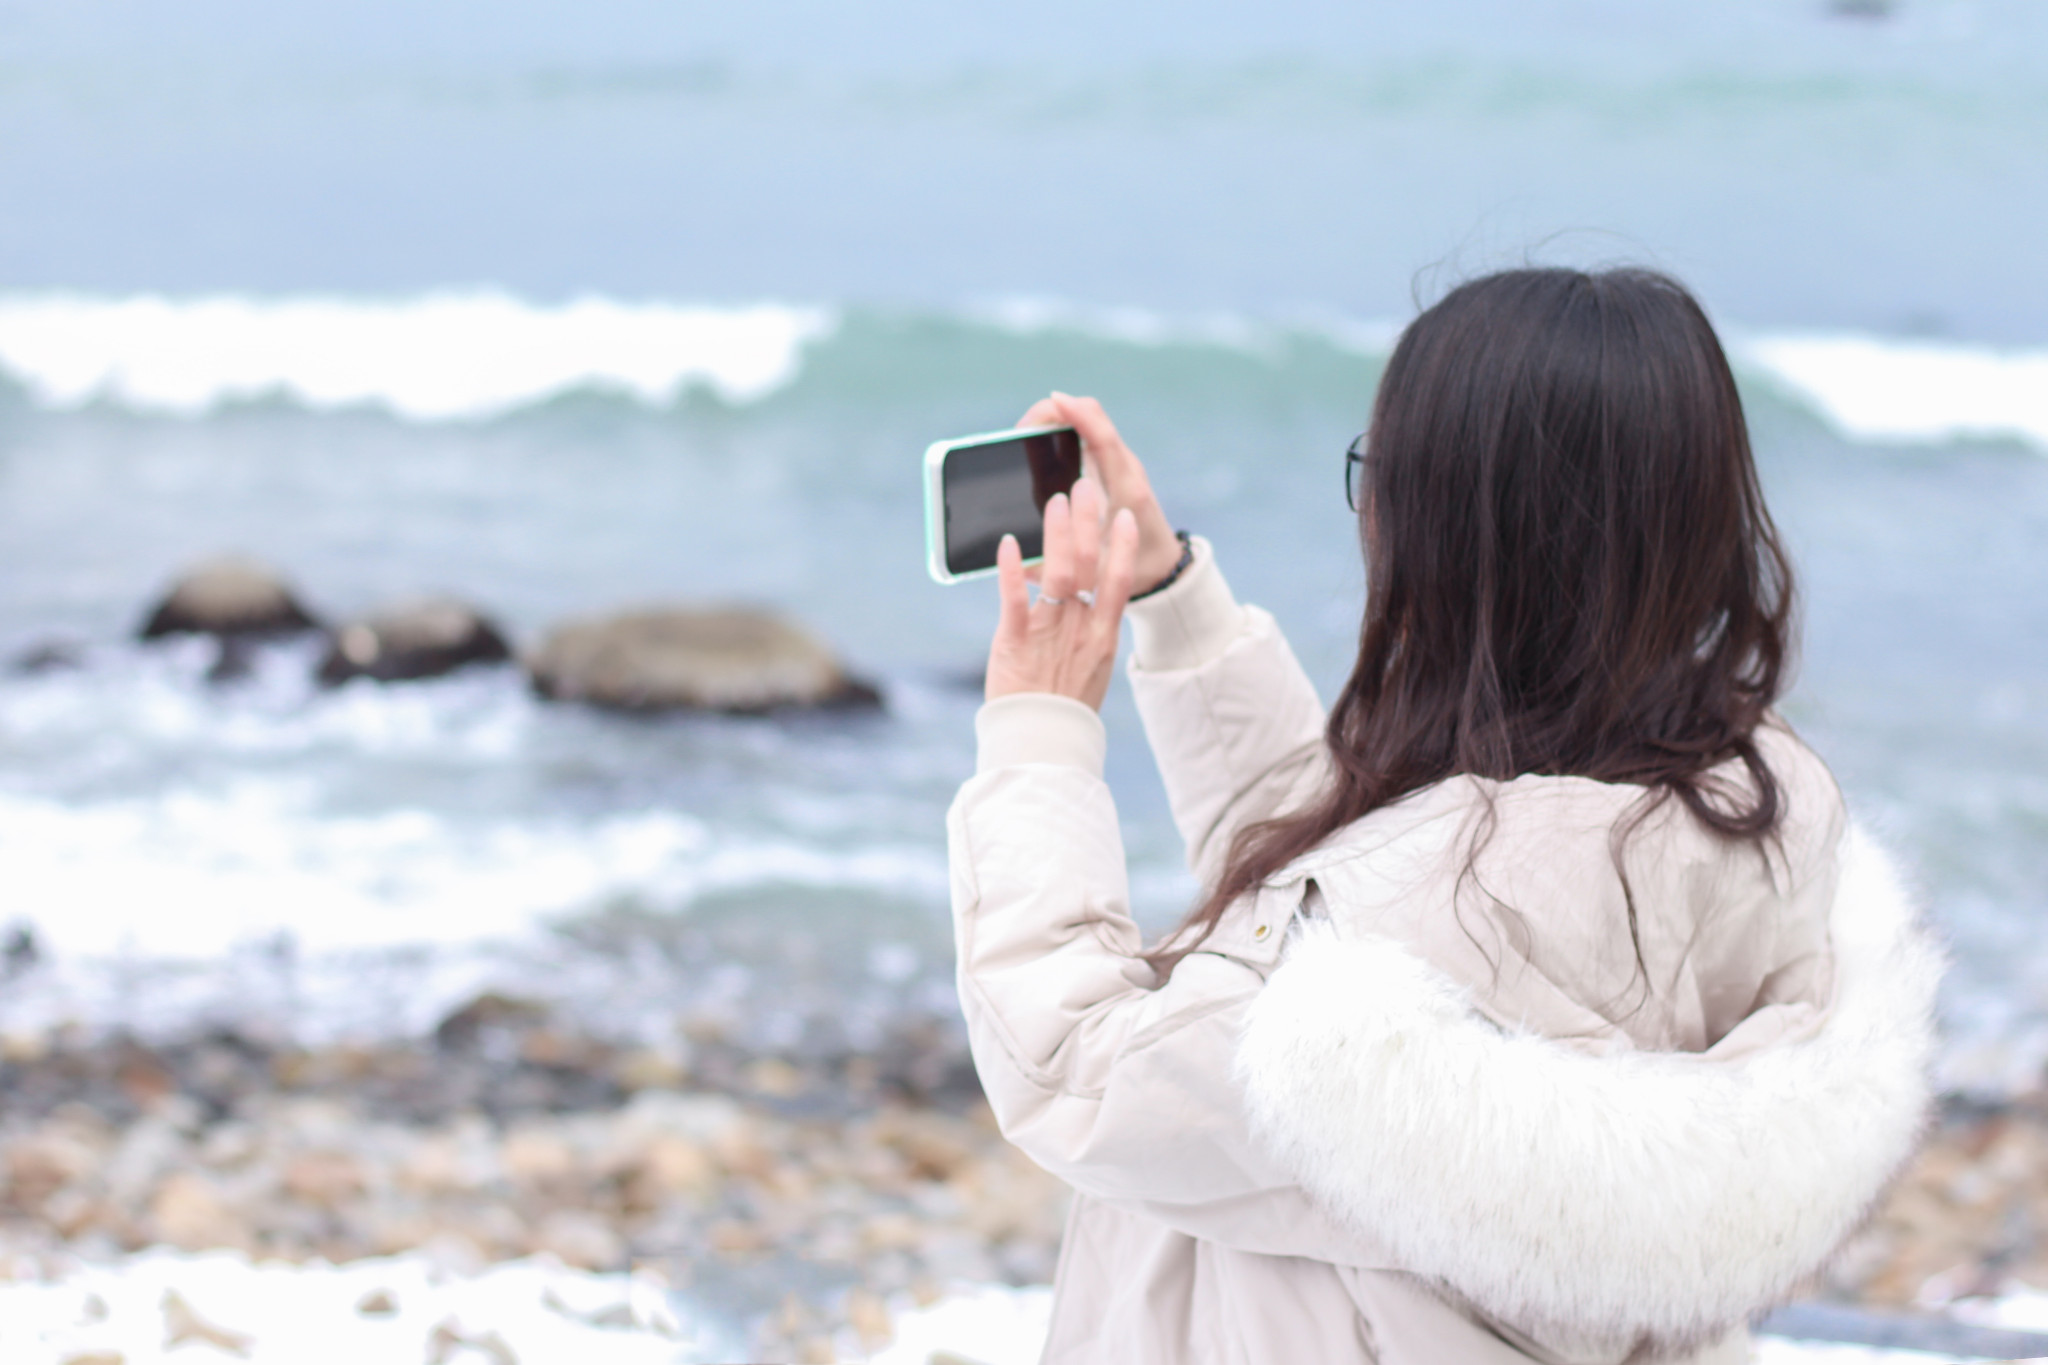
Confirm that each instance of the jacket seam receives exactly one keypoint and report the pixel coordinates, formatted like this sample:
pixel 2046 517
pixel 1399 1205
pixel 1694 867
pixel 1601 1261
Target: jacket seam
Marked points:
pixel 1159 1030
pixel 1049 1080
pixel 970 983
pixel 1291 758
pixel 1037 1076
pixel 1034 1074
pixel 1223 742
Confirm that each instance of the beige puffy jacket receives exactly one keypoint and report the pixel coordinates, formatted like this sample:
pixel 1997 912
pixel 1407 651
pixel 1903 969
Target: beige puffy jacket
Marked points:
pixel 1378 1119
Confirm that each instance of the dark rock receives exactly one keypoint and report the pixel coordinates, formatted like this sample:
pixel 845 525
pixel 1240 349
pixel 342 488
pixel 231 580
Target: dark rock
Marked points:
pixel 234 661
pixel 229 598
pixel 51 656
pixel 733 660
pixel 423 639
pixel 926 1063
pixel 855 694
pixel 21 952
pixel 489 1017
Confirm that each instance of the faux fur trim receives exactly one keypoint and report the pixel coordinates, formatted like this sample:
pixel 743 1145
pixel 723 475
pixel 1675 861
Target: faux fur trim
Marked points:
pixel 1658 1198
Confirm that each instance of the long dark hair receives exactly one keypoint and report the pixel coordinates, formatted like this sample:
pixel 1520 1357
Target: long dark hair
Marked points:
pixel 1569 568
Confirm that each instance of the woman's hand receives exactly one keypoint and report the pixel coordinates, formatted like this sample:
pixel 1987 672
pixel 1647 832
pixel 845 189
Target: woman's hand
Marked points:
pixel 1111 462
pixel 1065 642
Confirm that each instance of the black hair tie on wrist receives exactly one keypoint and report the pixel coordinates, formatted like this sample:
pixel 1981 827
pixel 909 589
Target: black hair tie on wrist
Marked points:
pixel 1187 557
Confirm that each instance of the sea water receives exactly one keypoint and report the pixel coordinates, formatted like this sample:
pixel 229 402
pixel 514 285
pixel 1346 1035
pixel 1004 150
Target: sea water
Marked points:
pixel 563 315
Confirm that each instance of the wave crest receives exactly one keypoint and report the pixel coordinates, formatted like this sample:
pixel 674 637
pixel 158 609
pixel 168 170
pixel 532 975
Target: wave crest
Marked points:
pixel 435 358
pixel 466 356
pixel 1877 389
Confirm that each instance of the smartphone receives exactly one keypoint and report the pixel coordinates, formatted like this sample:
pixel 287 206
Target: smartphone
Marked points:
pixel 978 489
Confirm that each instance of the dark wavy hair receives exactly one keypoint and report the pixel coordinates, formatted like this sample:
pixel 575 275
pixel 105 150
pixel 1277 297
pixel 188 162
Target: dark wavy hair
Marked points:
pixel 1569 569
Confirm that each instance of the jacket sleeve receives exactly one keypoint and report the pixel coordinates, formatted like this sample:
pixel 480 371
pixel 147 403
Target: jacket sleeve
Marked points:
pixel 1119 1085
pixel 1233 720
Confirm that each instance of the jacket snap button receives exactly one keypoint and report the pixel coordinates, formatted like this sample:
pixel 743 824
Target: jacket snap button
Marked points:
pixel 1262 931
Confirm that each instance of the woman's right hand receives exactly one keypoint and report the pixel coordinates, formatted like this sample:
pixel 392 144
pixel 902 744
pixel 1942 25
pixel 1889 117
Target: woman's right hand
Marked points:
pixel 1122 478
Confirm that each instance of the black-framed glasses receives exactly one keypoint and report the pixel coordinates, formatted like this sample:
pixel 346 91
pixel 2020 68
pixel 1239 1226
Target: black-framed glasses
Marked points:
pixel 1354 460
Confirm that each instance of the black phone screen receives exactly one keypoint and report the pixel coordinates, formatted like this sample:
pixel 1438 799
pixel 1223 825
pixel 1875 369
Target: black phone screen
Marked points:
pixel 1001 488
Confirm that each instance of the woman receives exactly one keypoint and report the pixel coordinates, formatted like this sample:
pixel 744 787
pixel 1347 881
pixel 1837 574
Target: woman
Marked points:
pixel 1543 1005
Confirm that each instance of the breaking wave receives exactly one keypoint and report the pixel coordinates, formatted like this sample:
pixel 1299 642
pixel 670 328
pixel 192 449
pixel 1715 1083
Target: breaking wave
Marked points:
pixel 450 356
pixel 1875 389
pixel 437 357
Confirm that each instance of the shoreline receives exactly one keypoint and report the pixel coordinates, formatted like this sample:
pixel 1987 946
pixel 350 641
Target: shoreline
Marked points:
pixel 789 1201
pixel 792 1201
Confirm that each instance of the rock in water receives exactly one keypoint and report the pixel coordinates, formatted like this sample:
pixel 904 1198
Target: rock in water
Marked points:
pixel 51 656
pixel 229 598
pixel 422 639
pixel 490 1013
pixel 725 660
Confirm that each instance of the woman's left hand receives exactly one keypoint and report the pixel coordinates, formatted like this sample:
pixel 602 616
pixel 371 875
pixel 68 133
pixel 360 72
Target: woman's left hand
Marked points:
pixel 1065 642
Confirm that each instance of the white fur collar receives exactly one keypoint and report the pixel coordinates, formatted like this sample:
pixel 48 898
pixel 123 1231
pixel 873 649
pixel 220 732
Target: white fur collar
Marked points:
pixel 1598 1201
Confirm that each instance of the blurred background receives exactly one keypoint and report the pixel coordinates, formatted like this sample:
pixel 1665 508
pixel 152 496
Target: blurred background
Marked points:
pixel 565 308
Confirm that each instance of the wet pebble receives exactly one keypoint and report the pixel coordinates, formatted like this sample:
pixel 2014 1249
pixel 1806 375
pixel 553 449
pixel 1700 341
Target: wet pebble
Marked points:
pixel 781 1180
pixel 317 1159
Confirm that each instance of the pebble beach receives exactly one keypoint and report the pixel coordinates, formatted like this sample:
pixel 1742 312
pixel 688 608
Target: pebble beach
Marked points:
pixel 503 1192
pixel 783 1207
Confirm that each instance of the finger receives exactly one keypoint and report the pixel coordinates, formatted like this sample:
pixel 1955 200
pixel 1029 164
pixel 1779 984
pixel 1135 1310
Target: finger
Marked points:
pixel 1044 413
pixel 1057 573
pixel 1088 528
pixel 1015 597
pixel 1125 481
pixel 1119 571
pixel 1109 458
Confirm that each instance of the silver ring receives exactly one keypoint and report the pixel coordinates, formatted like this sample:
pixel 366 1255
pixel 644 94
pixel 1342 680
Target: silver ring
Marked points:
pixel 1085 597
pixel 1045 601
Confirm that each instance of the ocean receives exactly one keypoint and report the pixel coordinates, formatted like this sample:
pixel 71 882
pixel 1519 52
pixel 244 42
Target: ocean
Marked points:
pixel 564 311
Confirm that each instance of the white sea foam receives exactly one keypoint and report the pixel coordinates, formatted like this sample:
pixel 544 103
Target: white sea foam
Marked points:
pixel 307 1314
pixel 1265 338
pixel 539 1310
pixel 543 1312
pixel 1870 388
pixel 1035 316
pixel 251 908
pixel 1876 389
pixel 989 1324
pixel 456 355
pixel 193 874
pixel 438 357
pixel 278 853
